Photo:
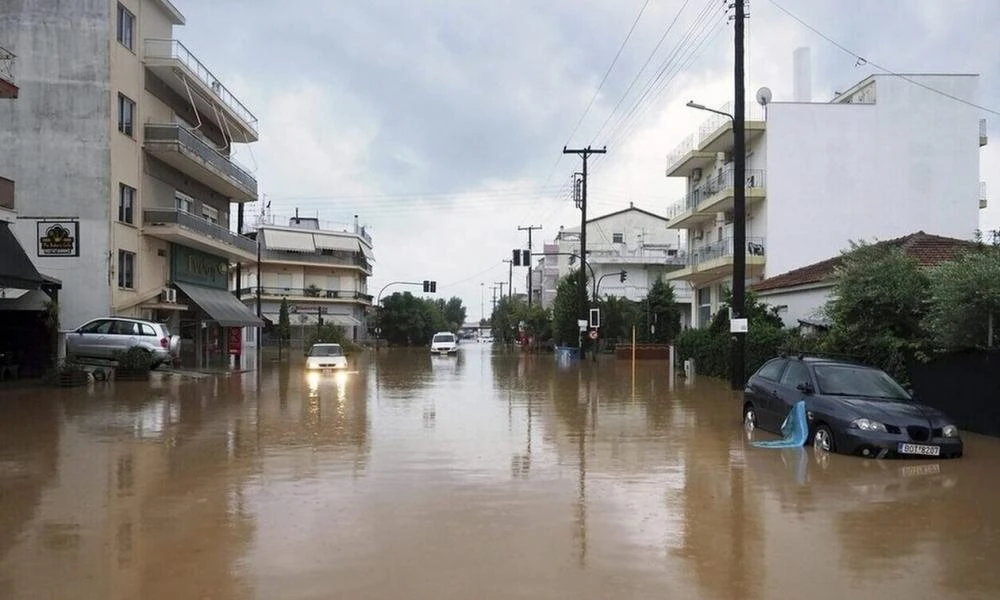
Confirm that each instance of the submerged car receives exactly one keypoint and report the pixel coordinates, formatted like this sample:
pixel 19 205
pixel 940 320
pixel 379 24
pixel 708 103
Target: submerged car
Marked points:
pixel 444 342
pixel 105 338
pixel 850 409
pixel 326 356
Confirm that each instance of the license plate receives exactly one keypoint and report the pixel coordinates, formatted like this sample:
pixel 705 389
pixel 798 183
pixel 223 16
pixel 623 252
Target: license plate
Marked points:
pixel 919 470
pixel 919 449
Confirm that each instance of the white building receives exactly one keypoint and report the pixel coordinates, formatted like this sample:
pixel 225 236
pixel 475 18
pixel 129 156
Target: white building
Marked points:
pixel 323 272
pixel 887 157
pixel 631 240
pixel 120 144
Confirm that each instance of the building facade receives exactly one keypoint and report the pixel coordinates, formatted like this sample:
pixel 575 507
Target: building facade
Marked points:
pixel 121 146
pixel 632 240
pixel 321 270
pixel 889 156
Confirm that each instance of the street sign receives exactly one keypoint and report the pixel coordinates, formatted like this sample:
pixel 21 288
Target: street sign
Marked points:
pixel 582 324
pixel 738 326
pixel 593 334
pixel 595 317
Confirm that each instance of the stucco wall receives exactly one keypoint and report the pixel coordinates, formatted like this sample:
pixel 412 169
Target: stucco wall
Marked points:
pixel 55 138
pixel 800 304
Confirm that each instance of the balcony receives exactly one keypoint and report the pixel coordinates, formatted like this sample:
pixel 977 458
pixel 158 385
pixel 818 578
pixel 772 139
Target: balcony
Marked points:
pixel 983 137
pixel 641 256
pixel 7 87
pixel 327 259
pixel 712 196
pixel 175 145
pixel 307 293
pixel 715 261
pixel 181 70
pixel 714 135
pixel 983 202
pixel 186 229
pixel 6 193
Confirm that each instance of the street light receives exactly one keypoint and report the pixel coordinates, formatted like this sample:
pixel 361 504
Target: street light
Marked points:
pixel 737 323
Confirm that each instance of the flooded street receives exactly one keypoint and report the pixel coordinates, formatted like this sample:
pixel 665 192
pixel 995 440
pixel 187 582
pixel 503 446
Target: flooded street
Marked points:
pixel 486 475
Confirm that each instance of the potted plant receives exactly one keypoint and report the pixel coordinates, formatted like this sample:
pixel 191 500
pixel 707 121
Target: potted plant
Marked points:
pixel 134 364
pixel 312 291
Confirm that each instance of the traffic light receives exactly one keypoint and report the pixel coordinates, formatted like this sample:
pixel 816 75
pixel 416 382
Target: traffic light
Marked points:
pixel 525 258
pixel 517 258
pixel 430 286
pixel 434 287
pixel 623 276
pixel 427 286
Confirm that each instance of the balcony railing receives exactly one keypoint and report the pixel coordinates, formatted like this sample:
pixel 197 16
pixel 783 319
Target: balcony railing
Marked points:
pixel 982 132
pixel 663 256
pixel 753 112
pixel 310 292
pixel 173 216
pixel 724 249
pixel 349 259
pixel 712 186
pixel 177 51
pixel 6 193
pixel 174 132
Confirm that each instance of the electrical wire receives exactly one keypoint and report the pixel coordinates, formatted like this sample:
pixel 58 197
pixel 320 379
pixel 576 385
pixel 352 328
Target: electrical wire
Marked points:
pixel 888 71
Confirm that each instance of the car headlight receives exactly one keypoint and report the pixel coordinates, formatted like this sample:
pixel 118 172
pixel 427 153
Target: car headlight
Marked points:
pixel 949 431
pixel 867 425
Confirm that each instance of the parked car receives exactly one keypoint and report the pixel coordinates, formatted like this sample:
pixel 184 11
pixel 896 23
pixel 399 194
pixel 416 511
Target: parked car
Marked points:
pixel 326 356
pixel 444 342
pixel 104 338
pixel 850 408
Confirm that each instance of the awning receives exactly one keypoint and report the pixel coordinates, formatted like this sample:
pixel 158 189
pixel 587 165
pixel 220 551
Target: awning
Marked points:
pixel 16 269
pixel 335 242
pixel 368 253
pixel 296 241
pixel 224 308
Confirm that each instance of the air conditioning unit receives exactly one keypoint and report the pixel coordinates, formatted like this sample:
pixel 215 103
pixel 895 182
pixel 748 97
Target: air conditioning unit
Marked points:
pixel 169 296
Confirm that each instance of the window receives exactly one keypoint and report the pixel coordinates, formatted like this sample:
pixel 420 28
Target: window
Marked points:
pixel 704 306
pixel 126 203
pixel 772 370
pixel 126 328
pixel 126 25
pixel 617 238
pixel 126 269
pixel 102 326
pixel 795 374
pixel 148 330
pixel 183 202
pixel 126 115
pixel 210 213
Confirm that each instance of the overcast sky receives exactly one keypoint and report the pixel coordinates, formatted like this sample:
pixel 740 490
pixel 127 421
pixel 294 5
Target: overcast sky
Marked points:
pixel 441 123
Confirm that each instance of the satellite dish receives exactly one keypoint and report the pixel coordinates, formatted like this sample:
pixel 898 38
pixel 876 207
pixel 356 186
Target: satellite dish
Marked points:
pixel 763 96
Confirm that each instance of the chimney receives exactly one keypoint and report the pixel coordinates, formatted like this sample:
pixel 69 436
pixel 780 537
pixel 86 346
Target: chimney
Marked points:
pixel 356 228
pixel 802 78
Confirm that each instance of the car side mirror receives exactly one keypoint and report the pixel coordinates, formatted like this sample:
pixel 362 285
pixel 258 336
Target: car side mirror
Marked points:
pixel 805 387
pixel 912 392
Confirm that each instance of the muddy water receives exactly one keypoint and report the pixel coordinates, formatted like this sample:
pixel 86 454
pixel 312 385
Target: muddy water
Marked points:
pixel 479 476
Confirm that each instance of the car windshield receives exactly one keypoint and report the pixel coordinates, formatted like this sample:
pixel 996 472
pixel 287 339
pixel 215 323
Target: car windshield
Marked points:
pixel 842 380
pixel 326 351
pixel 444 337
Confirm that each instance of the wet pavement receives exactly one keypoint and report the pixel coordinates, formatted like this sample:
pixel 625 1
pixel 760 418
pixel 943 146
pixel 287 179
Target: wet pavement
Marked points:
pixel 486 475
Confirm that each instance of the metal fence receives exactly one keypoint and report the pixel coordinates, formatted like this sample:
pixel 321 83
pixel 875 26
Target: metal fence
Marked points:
pixel 712 186
pixel 174 132
pixel 309 292
pixel 724 248
pixel 170 216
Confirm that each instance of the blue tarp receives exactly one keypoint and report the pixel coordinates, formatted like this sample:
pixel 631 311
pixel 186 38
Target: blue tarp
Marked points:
pixel 795 429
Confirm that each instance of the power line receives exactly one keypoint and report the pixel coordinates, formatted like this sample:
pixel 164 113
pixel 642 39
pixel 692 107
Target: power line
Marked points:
pixel 858 57
pixel 471 277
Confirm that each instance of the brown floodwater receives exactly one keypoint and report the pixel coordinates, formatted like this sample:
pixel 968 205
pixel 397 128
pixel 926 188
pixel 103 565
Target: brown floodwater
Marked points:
pixel 486 475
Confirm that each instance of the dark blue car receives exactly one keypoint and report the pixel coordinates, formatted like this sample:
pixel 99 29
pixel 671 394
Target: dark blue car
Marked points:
pixel 850 408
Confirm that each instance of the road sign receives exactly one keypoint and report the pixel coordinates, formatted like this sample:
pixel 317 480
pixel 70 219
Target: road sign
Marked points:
pixel 593 334
pixel 738 326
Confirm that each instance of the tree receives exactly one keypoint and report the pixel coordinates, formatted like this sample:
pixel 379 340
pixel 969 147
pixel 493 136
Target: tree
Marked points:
pixel 454 313
pixel 664 313
pixel 284 325
pixel 566 309
pixel 965 300
pixel 407 320
pixel 880 298
pixel 619 315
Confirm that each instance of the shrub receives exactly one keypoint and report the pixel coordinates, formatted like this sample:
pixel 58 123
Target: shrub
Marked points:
pixel 134 359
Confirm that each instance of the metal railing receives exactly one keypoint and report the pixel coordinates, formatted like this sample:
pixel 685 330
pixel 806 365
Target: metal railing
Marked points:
pixel 669 256
pixel 174 132
pixel 753 112
pixel 712 186
pixel 6 193
pixel 324 226
pixel 7 65
pixel 982 131
pixel 309 292
pixel 351 259
pixel 174 216
pixel 723 249
pixel 174 49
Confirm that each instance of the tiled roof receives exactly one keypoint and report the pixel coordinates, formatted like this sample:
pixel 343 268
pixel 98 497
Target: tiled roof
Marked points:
pixel 928 249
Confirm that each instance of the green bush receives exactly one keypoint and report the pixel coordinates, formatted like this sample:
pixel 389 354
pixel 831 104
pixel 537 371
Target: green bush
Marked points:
pixel 135 359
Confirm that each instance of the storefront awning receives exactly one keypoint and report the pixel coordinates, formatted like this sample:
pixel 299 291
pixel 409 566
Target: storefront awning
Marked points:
pixel 221 305
pixel 16 269
pixel 296 241
pixel 368 253
pixel 335 242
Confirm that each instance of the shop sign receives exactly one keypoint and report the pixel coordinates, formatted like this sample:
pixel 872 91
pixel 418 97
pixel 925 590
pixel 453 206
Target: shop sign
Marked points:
pixel 200 268
pixel 58 238
pixel 235 340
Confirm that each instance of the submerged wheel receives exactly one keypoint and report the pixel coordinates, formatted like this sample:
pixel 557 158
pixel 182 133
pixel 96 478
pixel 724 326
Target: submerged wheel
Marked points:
pixel 749 417
pixel 823 439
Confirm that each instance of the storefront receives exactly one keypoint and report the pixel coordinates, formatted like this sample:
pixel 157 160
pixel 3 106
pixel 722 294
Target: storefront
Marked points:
pixel 216 326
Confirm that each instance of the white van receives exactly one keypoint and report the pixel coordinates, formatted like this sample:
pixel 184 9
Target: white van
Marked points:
pixel 444 342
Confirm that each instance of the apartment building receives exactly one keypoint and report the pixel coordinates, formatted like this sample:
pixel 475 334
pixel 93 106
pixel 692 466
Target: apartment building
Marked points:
pixel 632 240
pixel 886 157
pixel 321 269
pixel 121 148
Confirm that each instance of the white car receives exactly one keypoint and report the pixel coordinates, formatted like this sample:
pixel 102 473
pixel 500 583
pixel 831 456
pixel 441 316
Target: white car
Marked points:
pixel 444 342
pixel 326 356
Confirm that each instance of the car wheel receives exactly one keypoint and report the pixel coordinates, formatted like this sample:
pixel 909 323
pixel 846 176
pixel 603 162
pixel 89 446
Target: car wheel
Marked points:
pixel 749 417
pixel 823 439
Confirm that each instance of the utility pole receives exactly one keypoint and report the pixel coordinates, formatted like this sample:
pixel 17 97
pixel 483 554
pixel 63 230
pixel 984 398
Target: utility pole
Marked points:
pixel 500 284
pixel 494 310
pixel 738 374
pixel 510 276
pixel 531 274
pixel 585 154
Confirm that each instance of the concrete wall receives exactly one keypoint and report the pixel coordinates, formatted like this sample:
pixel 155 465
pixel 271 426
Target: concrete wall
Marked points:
pixel 841 172
pixel 805 304
pixel 56 139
